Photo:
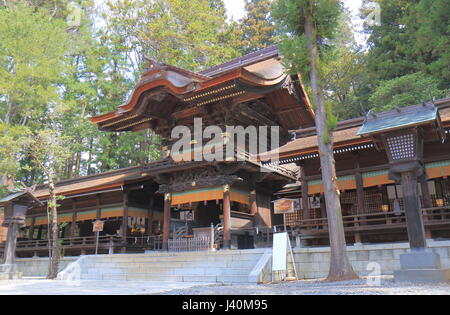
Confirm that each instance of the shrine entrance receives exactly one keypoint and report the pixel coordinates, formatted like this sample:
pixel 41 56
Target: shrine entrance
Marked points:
pixel 204 218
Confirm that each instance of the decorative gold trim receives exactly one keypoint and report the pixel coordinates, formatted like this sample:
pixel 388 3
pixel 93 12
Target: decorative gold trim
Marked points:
pixel 220 98
pixel 135 124
pixel 119 121
pixel 209 93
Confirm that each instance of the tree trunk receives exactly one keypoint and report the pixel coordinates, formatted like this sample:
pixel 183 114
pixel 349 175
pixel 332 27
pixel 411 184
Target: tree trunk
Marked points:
pixel 340 267
pixel 54 260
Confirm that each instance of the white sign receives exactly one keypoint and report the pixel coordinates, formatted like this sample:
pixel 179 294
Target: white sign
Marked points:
pixel 280 248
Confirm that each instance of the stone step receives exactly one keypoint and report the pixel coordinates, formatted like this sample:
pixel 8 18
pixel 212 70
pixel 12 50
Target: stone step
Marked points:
pixel 200 264
pixel 213 271
pixel 205 267
pixel 172 259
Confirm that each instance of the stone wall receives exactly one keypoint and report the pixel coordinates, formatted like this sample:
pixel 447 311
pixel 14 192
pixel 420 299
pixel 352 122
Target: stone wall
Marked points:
pixel 38 266
pixel 313 263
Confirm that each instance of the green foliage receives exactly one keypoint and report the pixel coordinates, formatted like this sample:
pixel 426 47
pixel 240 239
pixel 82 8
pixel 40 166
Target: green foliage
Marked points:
pixel 32 49
pixel 290 18
pixel 256 30
pixel 49 150
pixel 181 33
pixel 326 16
pixel 404 91
pixel 413 37
pixel 12 140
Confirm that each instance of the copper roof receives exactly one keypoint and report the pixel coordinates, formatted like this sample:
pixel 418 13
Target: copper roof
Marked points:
pixel 99 182
pixel 342 138
pixel 164 88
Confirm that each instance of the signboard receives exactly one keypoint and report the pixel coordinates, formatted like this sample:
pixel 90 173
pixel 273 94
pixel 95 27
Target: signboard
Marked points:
pixel 283 206
pixel 187 215
pixel 98 226
pixel 314 202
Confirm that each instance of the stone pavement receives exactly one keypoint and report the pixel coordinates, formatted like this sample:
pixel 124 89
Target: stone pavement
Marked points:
pixel 36 286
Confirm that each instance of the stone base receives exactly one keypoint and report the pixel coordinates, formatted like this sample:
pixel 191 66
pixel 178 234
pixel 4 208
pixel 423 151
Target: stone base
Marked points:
pixel 420 260
pixel 423 275
pixel 422 267
pixel 10 272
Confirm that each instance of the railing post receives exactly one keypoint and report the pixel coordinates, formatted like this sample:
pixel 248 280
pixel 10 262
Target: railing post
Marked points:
pixel 111 246
pixel 212 236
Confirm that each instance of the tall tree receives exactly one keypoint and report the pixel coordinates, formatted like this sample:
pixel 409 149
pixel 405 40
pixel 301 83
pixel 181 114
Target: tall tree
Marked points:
pixel 256 29
pixel 315 22
pixel 49 150
pixel 32 48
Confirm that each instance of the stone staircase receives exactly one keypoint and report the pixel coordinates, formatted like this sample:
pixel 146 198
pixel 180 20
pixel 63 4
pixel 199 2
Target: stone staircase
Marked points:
pixel 231 266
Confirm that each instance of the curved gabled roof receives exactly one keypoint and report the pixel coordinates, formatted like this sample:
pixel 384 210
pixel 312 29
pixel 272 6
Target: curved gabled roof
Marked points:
pixel 162 88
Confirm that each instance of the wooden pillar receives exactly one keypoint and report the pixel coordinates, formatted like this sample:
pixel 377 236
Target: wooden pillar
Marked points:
pixel 98 214
pixel 414 221
pixel 358 239
pixel 125 216
pixel 359 193
pixel 31 231
pixel 426 197
pixel 226 217
pixel 427 202
pixel 166 225
pixel 11 243
pixel 305 196
pixel 253 204
pixel 150 216
pixel 74 218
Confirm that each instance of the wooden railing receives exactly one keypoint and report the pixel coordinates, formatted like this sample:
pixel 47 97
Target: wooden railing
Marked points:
pixel 369 221
pixel 87 242
pixel 264 236
pixel 110 243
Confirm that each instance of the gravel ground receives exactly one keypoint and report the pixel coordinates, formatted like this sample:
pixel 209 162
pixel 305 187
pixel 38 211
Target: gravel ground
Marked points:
pixel 358 287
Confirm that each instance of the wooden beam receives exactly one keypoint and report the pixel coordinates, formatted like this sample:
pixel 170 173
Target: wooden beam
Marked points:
pixel 249 112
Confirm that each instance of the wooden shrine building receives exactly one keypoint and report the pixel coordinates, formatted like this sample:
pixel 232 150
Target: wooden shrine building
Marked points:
pixel 196 204
pixel 372 203
pixel 216 204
